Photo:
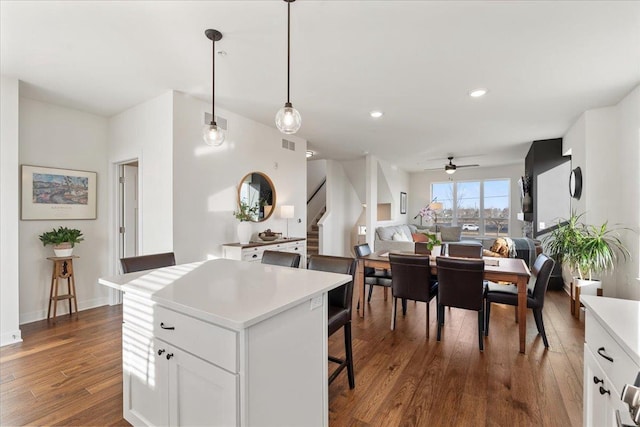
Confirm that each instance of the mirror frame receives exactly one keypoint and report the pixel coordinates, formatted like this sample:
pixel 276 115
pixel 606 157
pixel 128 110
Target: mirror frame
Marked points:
pixel 273 192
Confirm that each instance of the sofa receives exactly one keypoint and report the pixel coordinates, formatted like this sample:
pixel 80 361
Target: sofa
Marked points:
pixel 402 237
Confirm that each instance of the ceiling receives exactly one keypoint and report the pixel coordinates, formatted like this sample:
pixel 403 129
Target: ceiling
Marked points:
pixel 543 62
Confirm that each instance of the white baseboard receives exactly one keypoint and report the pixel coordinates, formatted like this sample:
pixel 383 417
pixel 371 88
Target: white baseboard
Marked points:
pixel 62 310
pixel 10 337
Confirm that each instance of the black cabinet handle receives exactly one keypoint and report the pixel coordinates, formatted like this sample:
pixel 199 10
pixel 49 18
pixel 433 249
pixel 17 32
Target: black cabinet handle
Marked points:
pixel 603 391
pixel 597 380
pixel 170 355
pixel 254 256
pixel 162 350
pixel 601 352
pixel 169 328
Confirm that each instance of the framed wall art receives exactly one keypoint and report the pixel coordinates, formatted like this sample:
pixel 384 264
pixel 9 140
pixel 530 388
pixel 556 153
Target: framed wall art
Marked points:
pixel 403 203
pixel 51 193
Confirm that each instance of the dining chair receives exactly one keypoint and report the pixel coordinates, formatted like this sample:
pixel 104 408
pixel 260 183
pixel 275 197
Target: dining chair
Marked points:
pixel 339 308
pixel 147 262
pixel 465 250
pixel 461 285
pixel 372 276
pixel 536 290
pixel 411 279
pixel 284 259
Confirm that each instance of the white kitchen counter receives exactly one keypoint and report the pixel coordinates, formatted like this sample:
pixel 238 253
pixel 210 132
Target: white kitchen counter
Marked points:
pixel 229 293
pixel 620 318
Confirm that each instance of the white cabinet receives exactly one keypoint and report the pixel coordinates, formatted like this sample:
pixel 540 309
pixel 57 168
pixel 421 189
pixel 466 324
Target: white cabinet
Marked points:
pixel 611 358
pixel 253 251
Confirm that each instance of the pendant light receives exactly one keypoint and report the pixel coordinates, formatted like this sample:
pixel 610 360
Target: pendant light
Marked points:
pixel 288 119
pixel 212 133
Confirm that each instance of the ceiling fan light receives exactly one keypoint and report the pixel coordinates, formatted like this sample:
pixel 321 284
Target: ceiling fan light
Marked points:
pixel 288 119
pixel 450 171
pixel 213 135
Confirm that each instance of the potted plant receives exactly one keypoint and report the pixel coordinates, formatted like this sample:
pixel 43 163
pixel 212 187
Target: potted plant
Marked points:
pixel 585 249
pixel 63 240
pixel 245 214
pixel 434 245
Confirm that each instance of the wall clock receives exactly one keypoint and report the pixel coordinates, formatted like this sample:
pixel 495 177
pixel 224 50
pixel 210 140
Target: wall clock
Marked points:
pixel 575 183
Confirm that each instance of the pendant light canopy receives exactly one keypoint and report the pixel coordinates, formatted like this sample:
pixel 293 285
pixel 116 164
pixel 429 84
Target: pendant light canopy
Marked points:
pixel 288 119
pixel 212 133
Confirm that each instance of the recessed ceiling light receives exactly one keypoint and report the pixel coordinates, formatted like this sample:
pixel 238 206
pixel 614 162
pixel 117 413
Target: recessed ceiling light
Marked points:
pixel 310 153
pixel 477 93
pixel 376 114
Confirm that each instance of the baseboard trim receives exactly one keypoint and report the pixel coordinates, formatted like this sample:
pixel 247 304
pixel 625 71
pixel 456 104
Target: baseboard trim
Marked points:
pixel 10 337
pixel 63 309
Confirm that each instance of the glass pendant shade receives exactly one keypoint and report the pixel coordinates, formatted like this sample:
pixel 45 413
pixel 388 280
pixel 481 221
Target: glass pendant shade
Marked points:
pixel 213 134
pixel 288 119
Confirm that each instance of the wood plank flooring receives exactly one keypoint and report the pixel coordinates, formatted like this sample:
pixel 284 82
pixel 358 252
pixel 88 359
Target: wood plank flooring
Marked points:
pixel 69 373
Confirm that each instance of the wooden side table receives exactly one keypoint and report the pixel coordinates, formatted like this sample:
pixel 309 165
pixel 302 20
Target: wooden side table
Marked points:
pixel 574 299
pixel 62 269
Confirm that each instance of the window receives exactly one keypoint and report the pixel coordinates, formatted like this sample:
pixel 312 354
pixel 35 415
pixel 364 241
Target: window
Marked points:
pixel 479 207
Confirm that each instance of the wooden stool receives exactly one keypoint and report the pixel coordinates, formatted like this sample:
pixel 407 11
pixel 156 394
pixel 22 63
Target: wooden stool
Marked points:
pixel 62 269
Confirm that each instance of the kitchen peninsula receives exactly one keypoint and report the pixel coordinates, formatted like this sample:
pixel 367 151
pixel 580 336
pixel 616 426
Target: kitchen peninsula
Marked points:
pixel 225 342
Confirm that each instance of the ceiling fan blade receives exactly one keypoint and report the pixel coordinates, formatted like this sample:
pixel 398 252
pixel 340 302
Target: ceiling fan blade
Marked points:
pixel 435 169
pixel 466 166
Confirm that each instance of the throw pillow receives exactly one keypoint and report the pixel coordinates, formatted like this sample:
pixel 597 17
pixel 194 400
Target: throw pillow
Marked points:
pixel 399 237
pixel 451 234
pixel 419 237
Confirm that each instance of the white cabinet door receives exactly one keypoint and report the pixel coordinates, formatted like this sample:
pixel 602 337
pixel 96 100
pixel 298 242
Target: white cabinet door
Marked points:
pixel 145 376
pixel 600 398
pixel 201 393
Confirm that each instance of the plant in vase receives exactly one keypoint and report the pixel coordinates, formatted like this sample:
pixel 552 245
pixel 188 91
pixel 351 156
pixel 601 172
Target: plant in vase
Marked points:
pixel 433 244
pixel 245 214
pixel 62 239
pixel 585 249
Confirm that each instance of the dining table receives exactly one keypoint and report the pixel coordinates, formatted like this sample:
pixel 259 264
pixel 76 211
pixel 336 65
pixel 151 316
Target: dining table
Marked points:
pixel 512 270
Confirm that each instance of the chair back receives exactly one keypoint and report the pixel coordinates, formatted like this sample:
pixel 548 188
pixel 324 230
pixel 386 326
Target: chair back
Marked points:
pixel 362 250
pixel 460 282
pixel 147 262
pixel 410 276
pixel 342 296
pixel 284 259
pixel 541 270
pixel 423 248
pixel 464 250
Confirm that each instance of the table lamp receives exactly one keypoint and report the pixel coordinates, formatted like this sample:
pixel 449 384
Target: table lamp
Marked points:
pixel 286 212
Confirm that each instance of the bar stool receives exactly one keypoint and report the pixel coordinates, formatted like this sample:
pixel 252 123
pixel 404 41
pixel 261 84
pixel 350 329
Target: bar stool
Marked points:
pixel 62 269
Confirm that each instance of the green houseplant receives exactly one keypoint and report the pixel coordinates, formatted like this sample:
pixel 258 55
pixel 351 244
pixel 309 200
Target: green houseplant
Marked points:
pixel 585 249
pixel 433 242
pixel 62 239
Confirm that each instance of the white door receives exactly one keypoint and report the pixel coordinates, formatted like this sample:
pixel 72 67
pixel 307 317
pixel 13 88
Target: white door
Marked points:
pixel 129 224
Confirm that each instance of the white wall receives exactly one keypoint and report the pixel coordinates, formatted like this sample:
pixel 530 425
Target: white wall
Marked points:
pixel 356 172
pixel 9 211
pixel 63 138
pixel 398 181
pixel 420 189
pixel 145 132
pixel 605 143
pixel 343 210
pixel 206 179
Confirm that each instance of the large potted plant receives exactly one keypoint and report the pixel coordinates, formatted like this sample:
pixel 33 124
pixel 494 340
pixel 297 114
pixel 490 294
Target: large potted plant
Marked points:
pixel 62 239
pixel 245 214
pixel 586 250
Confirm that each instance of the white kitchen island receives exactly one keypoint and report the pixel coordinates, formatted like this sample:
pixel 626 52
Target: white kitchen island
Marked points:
pixel 226 343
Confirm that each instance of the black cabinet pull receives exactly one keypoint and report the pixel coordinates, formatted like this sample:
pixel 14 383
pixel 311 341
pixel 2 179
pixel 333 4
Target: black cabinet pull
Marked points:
pixel 169 328
pixel 254 256
pixel 162 350
pixel 601 352
pixel 603 391
pixel 170 355
pixel 597 380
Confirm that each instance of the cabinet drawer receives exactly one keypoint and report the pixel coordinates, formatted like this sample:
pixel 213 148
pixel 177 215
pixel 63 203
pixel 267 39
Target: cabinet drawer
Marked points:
pixel 252 254
pixel 602 344
pixel 209 342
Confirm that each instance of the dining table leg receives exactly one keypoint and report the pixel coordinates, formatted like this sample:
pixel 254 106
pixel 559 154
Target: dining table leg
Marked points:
pixel 522 311
pixel 360 285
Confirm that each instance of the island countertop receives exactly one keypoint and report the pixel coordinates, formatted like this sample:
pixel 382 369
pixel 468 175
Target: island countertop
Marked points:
pixel 621 318
pixel 233 294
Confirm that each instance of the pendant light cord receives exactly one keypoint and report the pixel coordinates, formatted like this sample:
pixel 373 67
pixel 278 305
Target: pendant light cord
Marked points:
pixel 288 48
pixel 213 81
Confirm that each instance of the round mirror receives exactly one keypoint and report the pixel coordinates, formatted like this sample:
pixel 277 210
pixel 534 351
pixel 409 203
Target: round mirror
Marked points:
pixel 257 196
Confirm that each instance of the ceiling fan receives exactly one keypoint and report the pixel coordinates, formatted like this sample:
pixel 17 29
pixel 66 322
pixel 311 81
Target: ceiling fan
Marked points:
pixel 451 168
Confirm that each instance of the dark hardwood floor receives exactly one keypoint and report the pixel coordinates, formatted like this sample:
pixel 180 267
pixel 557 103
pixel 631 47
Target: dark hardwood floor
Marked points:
pixel 70 373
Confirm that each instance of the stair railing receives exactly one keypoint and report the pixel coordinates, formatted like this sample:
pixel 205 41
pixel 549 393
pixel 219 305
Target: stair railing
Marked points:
pixel 317 190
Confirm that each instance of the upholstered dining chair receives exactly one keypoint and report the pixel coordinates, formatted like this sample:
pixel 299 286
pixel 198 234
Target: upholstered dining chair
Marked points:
pixel 464 250
pixel 461 285
pixel 340 304
pixel 147 262
pixel 411 279
pixel 284 259
pixel 536 290
pixel 373 277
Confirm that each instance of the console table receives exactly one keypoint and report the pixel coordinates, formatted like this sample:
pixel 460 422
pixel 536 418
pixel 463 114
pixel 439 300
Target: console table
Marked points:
pixel 253 251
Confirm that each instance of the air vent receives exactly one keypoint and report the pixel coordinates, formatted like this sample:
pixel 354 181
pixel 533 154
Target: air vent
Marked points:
pixel 220 121
pixel 288 145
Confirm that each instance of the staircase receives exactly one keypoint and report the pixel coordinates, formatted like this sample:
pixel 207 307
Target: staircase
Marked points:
pixel 313 236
